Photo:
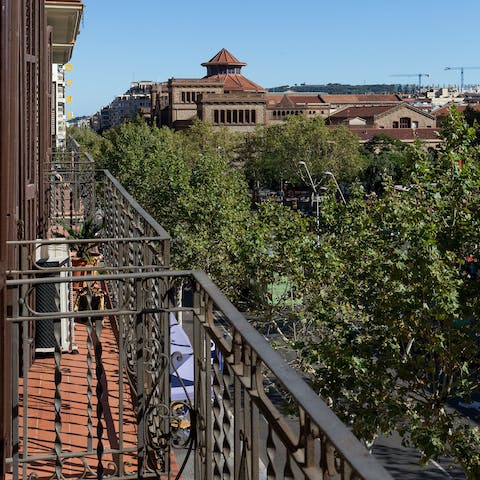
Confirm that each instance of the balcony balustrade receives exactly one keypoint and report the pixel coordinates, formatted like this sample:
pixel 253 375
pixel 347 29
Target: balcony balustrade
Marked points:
pixel 106 407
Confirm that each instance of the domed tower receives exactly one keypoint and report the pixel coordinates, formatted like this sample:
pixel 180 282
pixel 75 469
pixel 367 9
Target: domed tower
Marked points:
pixel 226 68
pixel 223 63
pixel 224 97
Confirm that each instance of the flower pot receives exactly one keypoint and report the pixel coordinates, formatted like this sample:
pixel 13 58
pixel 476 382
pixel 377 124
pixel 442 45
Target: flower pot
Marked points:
pixel 78 262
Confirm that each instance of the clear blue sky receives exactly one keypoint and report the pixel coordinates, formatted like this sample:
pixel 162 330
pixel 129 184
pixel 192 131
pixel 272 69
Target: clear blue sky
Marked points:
pixel 311 41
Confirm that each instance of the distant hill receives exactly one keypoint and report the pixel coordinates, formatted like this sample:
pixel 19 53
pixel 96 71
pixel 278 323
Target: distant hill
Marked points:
pixel 339 88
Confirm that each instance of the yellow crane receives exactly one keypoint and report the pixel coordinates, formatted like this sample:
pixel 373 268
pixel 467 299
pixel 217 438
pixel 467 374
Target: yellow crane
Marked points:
pixel 461 73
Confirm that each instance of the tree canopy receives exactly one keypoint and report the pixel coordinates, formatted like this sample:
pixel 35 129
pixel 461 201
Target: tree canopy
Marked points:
pixel 272 153
pixel 396 312
pixel 187 182
pixel 384 288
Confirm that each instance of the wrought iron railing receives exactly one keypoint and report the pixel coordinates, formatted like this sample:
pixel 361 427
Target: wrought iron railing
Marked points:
pixel 225 419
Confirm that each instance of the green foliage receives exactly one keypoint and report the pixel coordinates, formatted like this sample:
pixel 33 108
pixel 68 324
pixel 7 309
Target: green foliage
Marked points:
pixel 383 289
pixel 186 181
pixel 277 244
pixel 272 153
pixel 88 229
pixel 472 116
pixel 385 158
pixel 90 142
pixel 386 348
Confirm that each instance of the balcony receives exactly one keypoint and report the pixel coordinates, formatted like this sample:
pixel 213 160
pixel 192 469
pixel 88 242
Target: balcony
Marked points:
pixel 110 395
pixel 64 16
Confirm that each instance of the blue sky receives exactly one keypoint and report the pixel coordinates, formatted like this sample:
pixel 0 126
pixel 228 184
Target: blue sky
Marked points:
pixel 311 41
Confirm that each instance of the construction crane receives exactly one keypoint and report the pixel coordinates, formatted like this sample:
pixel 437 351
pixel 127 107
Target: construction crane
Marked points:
pixel 461 73
pixel 419 75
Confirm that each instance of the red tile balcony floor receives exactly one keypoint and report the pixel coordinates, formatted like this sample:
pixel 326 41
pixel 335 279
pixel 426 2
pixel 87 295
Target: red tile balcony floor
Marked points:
pixel 74 429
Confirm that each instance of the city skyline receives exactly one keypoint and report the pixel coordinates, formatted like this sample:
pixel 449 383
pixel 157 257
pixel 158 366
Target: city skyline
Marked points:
pixel 312 42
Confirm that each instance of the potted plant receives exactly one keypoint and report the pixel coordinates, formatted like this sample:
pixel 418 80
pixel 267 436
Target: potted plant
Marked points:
pixel 82 253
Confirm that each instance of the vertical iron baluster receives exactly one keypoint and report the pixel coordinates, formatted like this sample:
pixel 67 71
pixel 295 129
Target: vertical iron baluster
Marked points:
pixel 25 366
pixel 15 396
pixel 121 353
pixel 140 397
pixel 271 454
pixel 58 399
pixel 254 418
pixel 287 471
pixel 164 400
pixel 206 353
pixel 100 373
pixel 228 447
pixel 237 425
pixel 89 386
pixel 218 418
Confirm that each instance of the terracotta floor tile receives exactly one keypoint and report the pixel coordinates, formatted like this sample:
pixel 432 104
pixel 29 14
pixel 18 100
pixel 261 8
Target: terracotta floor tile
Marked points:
pixel 74 409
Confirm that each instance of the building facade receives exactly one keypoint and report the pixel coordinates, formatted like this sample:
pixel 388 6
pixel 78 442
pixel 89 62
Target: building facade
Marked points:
pixel 136 100
pixel 401 115
pixel 59 106
pixel 224 97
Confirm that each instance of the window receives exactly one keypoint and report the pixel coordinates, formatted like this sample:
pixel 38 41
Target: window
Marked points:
pixel 414 124
pixel 253 116
pixel 229 116
pixel 183 97
pixel 240 116
pixel 395 124
pixel 235 116
pixel 405 122
pixel 215 116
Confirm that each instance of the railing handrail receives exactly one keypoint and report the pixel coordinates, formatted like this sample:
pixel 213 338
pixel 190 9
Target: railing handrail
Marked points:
pixel 143 295
pixel 347 445
pixel 336 431
pixel 136 206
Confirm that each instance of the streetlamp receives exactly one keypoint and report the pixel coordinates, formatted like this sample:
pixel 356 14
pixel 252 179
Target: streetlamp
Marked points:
pixel 317 197
pixel 330 174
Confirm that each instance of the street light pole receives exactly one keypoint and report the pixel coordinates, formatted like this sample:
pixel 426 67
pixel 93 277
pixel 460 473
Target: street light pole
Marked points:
pixel 330 174
pixel 317 198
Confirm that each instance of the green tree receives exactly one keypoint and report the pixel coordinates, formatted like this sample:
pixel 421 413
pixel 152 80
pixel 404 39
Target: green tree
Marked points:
pixel 272 153
pixel 385 157
pixel 396 313
pixel 277 257
pixel 89 141
pixel 187 182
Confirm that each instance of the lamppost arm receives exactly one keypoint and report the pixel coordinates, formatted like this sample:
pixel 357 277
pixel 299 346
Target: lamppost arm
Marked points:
pixel 303 164
pixel 330 174
pixel 317 198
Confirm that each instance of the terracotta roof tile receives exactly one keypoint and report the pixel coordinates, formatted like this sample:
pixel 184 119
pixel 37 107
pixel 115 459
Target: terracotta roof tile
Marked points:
pixel 237 82
pixel 368 111
pixel 404 134
pixel 292 99
pixel 361 98
pixel 223 57
pixel 461 108
pixel 274 98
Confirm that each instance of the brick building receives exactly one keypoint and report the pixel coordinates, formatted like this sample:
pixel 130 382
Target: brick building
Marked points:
pixel 223 97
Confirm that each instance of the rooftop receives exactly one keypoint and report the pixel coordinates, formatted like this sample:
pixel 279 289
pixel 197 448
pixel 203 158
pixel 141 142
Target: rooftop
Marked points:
pixel 360 98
